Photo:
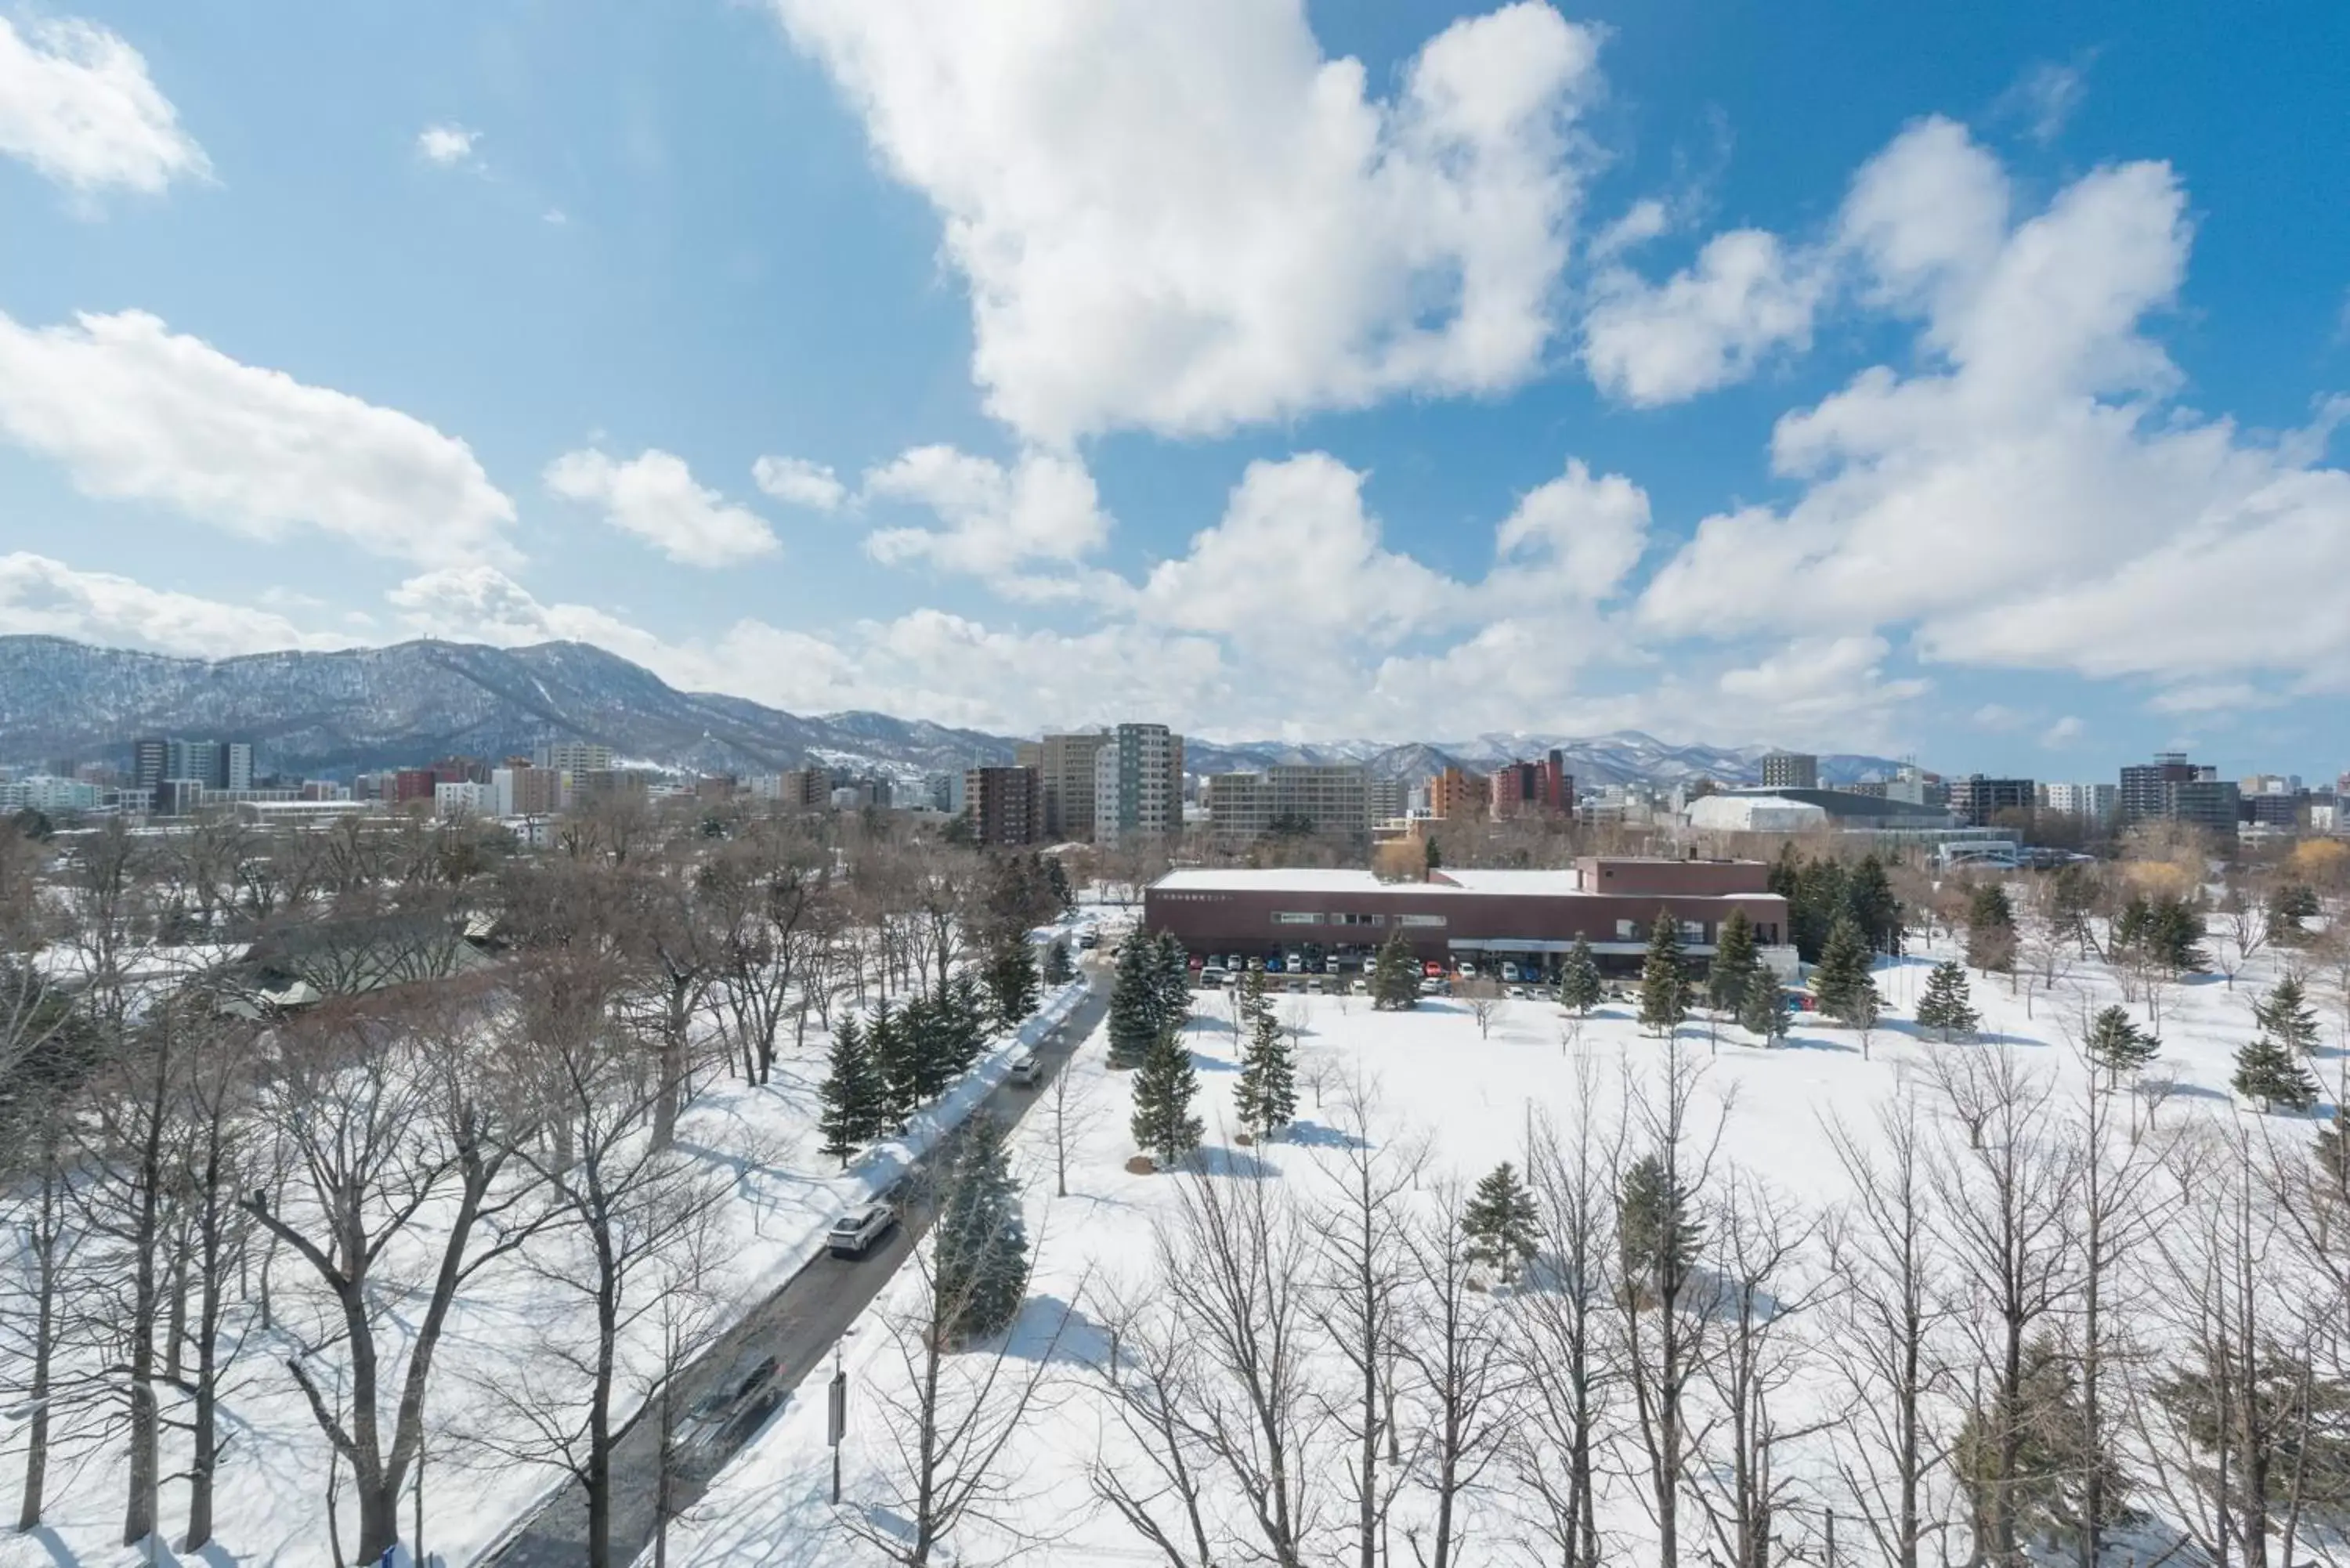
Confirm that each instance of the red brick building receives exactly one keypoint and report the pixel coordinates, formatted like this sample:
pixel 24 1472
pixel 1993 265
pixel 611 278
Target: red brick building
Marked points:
pixel 1534 789
pixel 1538 915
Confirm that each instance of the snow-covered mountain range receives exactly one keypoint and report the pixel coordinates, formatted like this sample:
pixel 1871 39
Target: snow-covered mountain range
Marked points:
pixel 325 713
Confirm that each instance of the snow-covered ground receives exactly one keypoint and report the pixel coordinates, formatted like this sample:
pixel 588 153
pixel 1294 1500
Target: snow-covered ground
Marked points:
pixel 1430 1078
pixel 781 1193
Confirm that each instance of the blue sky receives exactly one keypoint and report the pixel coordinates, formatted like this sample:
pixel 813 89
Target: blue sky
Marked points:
pixel 1957 383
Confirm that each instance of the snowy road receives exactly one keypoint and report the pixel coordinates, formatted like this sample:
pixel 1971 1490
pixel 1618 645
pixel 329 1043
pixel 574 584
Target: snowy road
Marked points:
pixel 798 1325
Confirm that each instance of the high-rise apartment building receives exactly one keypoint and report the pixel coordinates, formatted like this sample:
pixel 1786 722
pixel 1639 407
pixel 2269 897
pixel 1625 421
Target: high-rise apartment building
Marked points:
pixel 1456 795
pixel 1976 800
pixel 1542 788
pixel 1065 768
pixel 1387 799
pixel 1791 770
pixel 2089 802
pixel 1138 783
pixel 1004 805
pixel 2170 787
pixel 1326 799
pixel 575 757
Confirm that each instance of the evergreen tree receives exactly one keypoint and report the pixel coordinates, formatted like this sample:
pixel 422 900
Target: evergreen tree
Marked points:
pixel 1764 1011
pixel 1656 1230
pixel 2072 900
pixel 2291 906
pixel 1945 1008
pixel 2268 1075
pixel 851 1096
pixel 1502 1222
pixel 1174 978
pixel 1991 928
pixel 1266 1094
pixel 1846 988
pixel 1395 977
pixel 2287 1017
pixel 2333 1157
pixel 964 1022
pixel 1664 981
pixel 1056 882
pixel 1012 980
pixel 980 1242
pixel 2165 931
pixel 1869 900
pixel 1578 980
pixel 925 1035
pixel 1134 1001
pixel 1252 990
pixel 1058 970
pixel 2046 1493
pixel 2119 1046
pixel 1733 965
pixel 1164 1087
pixel 1787 876
pixel 894 1065
pixel 1816 908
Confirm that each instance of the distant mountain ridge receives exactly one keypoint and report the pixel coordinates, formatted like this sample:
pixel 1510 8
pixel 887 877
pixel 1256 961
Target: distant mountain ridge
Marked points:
pixel 323 713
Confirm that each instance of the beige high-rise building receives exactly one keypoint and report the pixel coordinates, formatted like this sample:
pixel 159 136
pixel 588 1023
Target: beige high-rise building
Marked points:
pixel 1139 784
pixel 1333 799
pixel 1065 772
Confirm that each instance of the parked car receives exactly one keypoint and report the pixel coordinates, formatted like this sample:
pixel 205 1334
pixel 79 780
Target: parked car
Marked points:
pixel 1520 993
pixel 743 1396
pixel 1089 939
pixel 853 1234
pixel 1508 972
pixel 1314 985
pixel 1212 977
pixel 1431 969
pixel 1432 985
pixel 1026 1071
pixel 1196 962
pixel 1273 965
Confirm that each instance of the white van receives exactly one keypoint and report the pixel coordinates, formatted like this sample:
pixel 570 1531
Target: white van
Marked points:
pixel 856 1232
pixel 1026 1071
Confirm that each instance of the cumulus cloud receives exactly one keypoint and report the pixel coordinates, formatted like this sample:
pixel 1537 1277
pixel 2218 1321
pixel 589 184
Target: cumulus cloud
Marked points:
pixel 446 145
pixel 1184 218
pixel 137 412
pixel 1707 326
pixel 1576 536
pixel 2030 495
pixel 799 483
pixel 653 496
pixel 78 105
pixel 47 597
pixel 998 519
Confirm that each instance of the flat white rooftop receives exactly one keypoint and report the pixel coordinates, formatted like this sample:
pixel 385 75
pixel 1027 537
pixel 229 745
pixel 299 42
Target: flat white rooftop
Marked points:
pixel 1307 879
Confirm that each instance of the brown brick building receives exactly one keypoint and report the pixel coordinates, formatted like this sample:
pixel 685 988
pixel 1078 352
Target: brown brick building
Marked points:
pixel 1538 915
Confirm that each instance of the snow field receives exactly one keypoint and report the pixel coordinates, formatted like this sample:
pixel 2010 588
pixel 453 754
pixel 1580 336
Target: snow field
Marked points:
pixel 1430 1082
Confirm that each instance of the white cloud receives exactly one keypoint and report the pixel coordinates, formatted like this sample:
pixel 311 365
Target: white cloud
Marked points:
pixel 998 519
pixel 446 145
pixel 653 496
pixel 1185 218
pixel 2029 496
pixel 1830 681
pixel 2044 97
pixel 1708 325
pixel 137 412
pixel 47 597
pixel 77 104
pixel 1590 532
pixel 1296 563
pixel 2063 732
pixel 799 483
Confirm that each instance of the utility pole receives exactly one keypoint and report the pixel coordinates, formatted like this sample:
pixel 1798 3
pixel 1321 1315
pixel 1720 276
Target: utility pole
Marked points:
pixel 837 1418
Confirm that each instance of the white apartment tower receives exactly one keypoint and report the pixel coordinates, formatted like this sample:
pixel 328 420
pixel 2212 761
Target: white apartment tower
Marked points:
pixel 1139 783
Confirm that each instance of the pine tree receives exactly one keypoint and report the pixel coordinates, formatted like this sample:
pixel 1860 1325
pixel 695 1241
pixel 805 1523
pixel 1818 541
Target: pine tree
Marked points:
pixel 851 1111
pixel 2119 1046
pixel 1763 1011
pixel 2268 1075
pixel 965 1022
pixel 1251 992
pixel 1991 928
pixel 1869 899
pixel 1058 970
pixel 896 1066
pixel 1656 1233
pixel 1012 981
pixel 1664 982
pixel 1818 902
pixel 2287 1016
pixel 1846 988
pixel 1502 1223
pixel 1395 977
pixel 1266 1094
pixel 980 1256
pixel 1056 882
pixel 1134 1001
pixel 2055 1451
pixel 1734 965
pixel 2072 900
pixel 1164 1088
pixel 1579 985
pixel 1174 978
pixel 1946 1010
pixel 925 1035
